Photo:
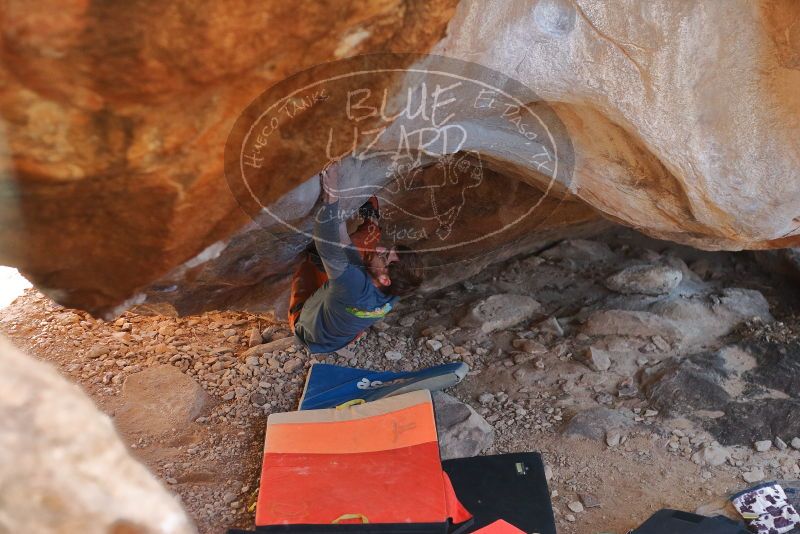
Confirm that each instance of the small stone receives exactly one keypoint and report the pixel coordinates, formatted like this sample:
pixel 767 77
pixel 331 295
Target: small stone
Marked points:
pixel 228 497
pixel 780 444
pixel 796 443
pixel 645 279
pixel 650 413
pixel 171 480
pixel 570 518
pixel 251 361
pixel 485 398
pixel 764 445
pixel 530 346
pixel 520 357
pixel 393 355
pixel 548 473
pixel 754 475
pixel 604 398
pixel 713 454
pixel 575 506
pixel 259 399
pixel 589 500
pixel 613 438
pixel 627 389
pixel 551 326
pixel 281 334
pixel 431 331
pixel 660 343
pixel 447 351
pixel 255 338
pixel 520 374
pixel 407 321
pixel 597 359
pixel 97 351
pixel 229 396
pixel 433 344
pixel 381 326
pixel 266 334
pixel 123 337
pixel 292 365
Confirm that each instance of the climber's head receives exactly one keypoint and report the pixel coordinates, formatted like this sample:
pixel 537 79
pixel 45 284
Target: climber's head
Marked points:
pixel 396 270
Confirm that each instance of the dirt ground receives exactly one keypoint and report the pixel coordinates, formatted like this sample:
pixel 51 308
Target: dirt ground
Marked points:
pixel 213 461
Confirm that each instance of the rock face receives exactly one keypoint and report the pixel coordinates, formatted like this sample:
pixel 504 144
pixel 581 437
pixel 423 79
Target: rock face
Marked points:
pixel 629 322
pixel 112 157
pixel 499 311
pixel 580 250
pixel 463 432
pixel 113 191
pixel 749 392
pixel 682 321
pixel 619 70
pixel 645 279
pixel 161 398
pixel 686 386
pixel 774 369
pixel 64 468
pixel 596 423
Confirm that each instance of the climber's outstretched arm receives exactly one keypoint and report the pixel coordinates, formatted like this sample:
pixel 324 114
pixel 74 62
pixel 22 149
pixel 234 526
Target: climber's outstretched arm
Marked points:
pixel 330 227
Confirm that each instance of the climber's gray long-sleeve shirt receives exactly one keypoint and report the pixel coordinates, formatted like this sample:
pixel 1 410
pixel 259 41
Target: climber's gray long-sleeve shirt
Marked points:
pixel 332 242
pixel 348 303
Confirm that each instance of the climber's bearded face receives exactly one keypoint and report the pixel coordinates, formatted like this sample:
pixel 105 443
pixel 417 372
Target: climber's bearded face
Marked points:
pixel 378 264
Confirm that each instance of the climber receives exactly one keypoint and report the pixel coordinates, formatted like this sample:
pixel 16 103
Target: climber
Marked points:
pixel 349 282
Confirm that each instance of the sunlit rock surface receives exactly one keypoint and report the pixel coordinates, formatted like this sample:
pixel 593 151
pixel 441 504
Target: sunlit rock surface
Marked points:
pixel 684 115
pixel 115 118
pixel 64 468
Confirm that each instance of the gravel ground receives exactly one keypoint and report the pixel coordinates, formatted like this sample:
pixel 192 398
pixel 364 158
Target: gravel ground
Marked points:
pixel 609 469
